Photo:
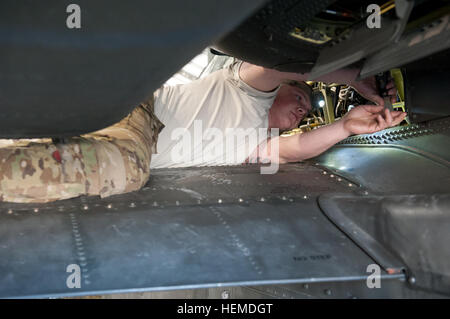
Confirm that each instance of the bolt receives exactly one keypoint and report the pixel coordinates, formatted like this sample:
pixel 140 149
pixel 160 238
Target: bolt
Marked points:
pixel 412 280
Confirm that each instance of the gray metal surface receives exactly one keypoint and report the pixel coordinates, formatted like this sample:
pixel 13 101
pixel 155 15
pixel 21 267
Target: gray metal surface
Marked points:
pixel 190 228
pixel 402 160
pixel 386 259
pixel 81 80
pixel 362 42
pixel 412 227
pixel 430 39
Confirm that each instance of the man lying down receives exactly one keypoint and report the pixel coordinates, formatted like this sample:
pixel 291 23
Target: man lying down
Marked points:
pixel 230 117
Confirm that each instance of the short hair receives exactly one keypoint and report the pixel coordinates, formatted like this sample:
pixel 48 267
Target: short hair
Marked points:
pixel 301 85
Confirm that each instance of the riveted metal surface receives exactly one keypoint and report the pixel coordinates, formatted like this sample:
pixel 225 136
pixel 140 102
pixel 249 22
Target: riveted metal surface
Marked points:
pixel 162 238
pixel 431 137
pixel 412 159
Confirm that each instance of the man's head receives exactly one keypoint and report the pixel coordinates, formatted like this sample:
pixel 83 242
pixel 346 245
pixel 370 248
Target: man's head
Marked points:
pixel 292 103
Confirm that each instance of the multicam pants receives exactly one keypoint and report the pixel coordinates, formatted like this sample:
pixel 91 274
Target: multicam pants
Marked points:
pixel 111 161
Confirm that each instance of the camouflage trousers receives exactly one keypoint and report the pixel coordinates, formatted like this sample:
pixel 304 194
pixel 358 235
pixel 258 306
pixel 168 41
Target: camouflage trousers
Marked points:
pixel 111 161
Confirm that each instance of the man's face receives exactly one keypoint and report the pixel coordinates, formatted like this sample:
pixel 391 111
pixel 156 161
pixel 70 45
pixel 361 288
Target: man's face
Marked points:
pixel 289 108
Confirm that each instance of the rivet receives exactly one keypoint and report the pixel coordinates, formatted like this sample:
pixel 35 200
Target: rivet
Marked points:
pixel 283 198
pixel 10 211
pixel 240 200
pixel 219 201
pixel 305 197
pixel 350 184
pixel 331 175
pixel 262 199
pixel 109 206
pixel 85 207
pixel 412 280
pixel 324 173
pixel 132 205
pixel 339 179
pixel 36 210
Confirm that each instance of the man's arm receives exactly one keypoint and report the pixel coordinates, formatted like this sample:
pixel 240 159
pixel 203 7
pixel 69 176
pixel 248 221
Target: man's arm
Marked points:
pixel 363 119
pixel 265 79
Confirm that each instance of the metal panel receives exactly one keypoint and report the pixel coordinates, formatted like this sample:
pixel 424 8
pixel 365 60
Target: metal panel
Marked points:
pixel 129 243
pixel 412 227
pixel 407 160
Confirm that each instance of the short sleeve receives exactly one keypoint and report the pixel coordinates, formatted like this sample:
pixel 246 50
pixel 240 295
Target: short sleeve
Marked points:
pixel 233 77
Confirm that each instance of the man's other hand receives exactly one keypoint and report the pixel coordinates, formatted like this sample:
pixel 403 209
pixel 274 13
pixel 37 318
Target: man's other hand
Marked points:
pixel 368 89
pixel 366 119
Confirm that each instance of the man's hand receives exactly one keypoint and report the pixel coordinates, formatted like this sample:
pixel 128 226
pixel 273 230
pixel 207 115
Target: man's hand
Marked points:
pixel 366 119
pixel 368 89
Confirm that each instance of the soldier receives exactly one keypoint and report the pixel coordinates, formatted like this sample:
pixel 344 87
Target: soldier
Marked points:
pixel 118 159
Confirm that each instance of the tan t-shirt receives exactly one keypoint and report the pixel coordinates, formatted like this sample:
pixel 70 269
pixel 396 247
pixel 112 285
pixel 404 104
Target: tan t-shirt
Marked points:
pixel 216 120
